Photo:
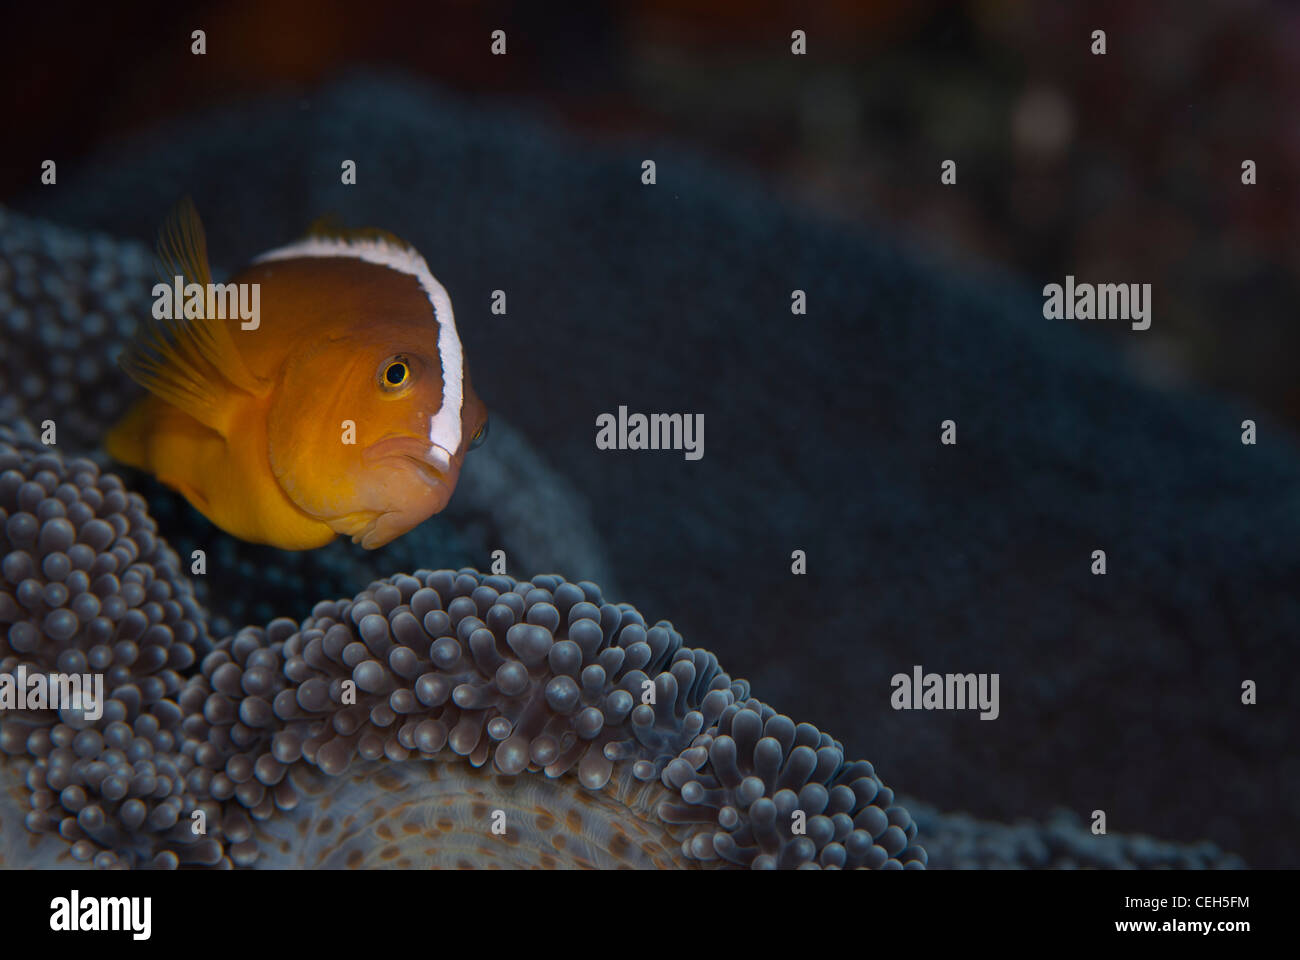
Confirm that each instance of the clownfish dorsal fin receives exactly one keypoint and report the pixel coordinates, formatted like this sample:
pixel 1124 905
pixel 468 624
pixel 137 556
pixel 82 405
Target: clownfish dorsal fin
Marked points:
pixel 330 227
pixel 326 225
pixel 190 362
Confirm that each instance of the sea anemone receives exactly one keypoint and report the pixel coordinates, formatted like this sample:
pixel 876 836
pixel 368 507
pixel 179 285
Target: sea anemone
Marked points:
pixel 645 751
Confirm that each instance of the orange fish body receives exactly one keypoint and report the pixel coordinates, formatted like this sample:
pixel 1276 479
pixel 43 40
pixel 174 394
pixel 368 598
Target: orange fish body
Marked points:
pixel 344 408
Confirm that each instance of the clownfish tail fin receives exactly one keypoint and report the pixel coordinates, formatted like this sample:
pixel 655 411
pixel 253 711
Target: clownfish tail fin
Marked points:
pixel 188 360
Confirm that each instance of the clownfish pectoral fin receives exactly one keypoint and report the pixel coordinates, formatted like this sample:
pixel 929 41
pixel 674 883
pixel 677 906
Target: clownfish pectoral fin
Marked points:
pixel 187 357
pixel 125 442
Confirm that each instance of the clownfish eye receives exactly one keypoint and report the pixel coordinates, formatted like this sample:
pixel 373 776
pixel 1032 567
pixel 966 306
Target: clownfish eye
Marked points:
pixel 394 373
pixel 480 435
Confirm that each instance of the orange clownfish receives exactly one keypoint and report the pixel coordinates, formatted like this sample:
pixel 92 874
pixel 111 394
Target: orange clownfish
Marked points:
pixel 343 407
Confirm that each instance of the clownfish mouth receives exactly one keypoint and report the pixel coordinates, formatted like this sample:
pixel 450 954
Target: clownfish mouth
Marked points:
pixel 432 468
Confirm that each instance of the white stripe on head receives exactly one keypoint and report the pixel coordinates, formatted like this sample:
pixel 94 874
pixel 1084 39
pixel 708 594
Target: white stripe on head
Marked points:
pixel 444 426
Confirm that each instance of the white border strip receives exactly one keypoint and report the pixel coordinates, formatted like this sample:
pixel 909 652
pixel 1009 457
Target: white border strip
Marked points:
pixel 444 426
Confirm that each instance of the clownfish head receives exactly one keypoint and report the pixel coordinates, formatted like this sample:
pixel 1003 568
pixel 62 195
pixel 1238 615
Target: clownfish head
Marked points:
pixel 372 415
